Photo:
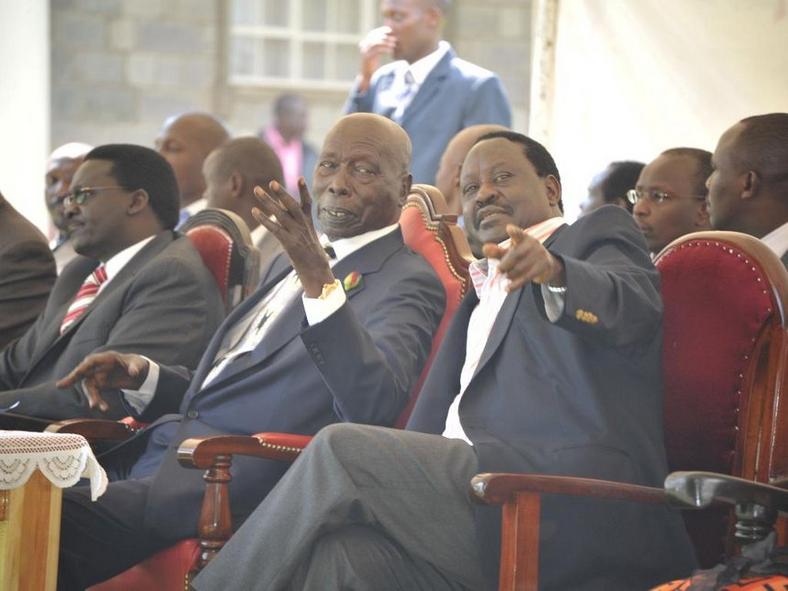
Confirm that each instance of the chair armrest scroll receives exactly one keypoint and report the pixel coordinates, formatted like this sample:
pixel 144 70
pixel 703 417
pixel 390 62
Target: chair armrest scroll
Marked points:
pixel 201 452
pixel 500 488
pixel 94 429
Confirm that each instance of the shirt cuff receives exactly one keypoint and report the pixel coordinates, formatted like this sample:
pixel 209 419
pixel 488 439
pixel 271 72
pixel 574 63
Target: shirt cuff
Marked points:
pixel 139 399
pixel 553 303
pixel 318 309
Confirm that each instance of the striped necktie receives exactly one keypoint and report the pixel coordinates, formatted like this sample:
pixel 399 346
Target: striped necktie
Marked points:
pixel 85 296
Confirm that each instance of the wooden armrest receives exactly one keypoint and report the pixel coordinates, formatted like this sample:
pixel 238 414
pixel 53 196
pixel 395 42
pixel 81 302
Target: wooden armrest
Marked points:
pixel 94 429
pixel 201 452
pixel 497 489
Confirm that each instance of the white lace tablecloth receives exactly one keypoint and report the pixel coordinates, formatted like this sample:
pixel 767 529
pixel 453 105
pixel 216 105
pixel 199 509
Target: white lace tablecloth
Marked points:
pixel 63 458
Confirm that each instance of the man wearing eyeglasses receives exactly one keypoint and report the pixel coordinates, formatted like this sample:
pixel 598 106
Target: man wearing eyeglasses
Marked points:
pixel 138 287
pixel 748 187
pixel 670 196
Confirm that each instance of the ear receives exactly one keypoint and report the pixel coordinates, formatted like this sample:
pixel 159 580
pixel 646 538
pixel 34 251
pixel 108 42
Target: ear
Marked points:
pixel 750 185
pixel 407 182
pixel 236 184
pixel 433 16
pixel 139 201
pixel 553 190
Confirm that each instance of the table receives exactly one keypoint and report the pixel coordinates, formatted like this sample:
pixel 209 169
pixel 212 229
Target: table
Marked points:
pixel 34 468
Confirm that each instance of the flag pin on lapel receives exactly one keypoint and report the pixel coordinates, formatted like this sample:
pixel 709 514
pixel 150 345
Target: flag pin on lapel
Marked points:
pixel 352 280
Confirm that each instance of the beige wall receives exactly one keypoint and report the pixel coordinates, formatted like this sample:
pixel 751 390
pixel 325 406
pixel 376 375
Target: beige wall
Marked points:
pixel 635 77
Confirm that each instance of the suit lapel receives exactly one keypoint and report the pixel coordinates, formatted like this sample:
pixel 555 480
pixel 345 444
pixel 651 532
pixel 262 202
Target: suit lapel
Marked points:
pixel 291 321
pixel 504 319
pixel 430 88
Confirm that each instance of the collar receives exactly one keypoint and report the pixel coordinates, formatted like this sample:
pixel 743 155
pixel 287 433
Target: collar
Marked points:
pixel 116 263
pixel 777 240
pixel 344 247
pixel 480 269
pixel 196 206
pixel 421 68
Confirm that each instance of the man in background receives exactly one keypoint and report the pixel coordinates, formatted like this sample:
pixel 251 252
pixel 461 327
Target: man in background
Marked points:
pixel 286 137
pixel 610 186
pixel 748 187
pixel 231 173
pixel 27 272
pixel 61 166
pixel 428 90
pixel 185 141
pixel 670 196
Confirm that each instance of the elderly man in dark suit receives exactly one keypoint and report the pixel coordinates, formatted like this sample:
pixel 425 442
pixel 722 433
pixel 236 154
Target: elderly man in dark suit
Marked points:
pixel 551 365
pixel 138 287
pixel 428 90
pixel 322 341
pixel 27 272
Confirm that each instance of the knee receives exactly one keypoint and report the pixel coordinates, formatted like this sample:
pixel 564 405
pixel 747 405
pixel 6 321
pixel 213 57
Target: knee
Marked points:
pixel 340 437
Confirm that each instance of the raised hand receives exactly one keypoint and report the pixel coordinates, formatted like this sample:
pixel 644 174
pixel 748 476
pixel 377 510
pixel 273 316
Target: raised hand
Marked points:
pixel 526 260
pixel 291 223
pixel 107 371
pixel 377 43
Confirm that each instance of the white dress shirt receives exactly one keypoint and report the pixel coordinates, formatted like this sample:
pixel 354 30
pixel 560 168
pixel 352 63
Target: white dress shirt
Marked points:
pixel 490 286
pixel 249 331
pixel 777 240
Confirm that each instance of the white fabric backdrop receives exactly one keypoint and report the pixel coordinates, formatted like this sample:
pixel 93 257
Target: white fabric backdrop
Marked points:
pixel 635 77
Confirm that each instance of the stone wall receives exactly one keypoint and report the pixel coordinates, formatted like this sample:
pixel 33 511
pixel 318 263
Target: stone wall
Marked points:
pixel 119 67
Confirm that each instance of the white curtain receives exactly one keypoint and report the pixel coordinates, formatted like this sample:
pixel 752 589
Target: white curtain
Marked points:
pixel 635 77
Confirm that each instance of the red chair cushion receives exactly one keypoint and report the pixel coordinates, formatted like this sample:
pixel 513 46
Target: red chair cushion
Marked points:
pixel 216 248
pixel 716 306
pixel 164 571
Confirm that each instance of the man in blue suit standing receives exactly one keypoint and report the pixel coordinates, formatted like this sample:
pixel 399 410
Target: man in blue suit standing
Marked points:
pixel 428 90
pixel 328 337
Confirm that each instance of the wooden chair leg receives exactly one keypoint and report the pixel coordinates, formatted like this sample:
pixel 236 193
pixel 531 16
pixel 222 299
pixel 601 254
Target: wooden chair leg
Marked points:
pixel 215 526
pixel 520 543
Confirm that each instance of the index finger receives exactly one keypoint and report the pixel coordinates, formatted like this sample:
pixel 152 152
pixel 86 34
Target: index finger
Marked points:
pixel 84 368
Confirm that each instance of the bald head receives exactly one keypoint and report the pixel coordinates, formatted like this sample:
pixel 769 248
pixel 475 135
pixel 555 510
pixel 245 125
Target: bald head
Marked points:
pixel 61 166
pixel 362 178
pixel 748 188
pixel 233 170
pixel 185 141
pixel 447 178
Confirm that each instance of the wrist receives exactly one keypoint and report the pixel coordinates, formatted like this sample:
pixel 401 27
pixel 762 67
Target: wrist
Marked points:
pixel 558 276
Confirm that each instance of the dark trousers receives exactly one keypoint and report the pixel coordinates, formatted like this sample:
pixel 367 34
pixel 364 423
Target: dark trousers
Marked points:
pixel 103 538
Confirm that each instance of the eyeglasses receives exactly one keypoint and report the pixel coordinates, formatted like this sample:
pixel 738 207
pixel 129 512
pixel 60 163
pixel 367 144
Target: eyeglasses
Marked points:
pixel 656 196
pixel 79 196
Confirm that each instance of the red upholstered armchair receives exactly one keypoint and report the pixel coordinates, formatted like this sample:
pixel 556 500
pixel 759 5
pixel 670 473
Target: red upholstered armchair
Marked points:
pixel 726 380
pixel 225 245
pixel 427 229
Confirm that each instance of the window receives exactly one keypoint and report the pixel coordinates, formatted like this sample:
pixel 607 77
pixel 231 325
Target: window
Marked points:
pixel 297 43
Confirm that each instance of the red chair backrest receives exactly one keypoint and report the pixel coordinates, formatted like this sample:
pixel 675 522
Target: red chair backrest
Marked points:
pixel 724 361
pixel 431 231
pixel 225 245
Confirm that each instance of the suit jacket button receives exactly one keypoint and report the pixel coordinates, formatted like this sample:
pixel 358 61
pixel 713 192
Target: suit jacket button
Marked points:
pixel 192 414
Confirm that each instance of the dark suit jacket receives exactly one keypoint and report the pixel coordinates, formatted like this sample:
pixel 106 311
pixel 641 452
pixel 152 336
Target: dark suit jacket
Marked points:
pixel 27 272
pixel 456 94
pixel 358 365
pixel 581 397
pixel 164 304
pixel 784 259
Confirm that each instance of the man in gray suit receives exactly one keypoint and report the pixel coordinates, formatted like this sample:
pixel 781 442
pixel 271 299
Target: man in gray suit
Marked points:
pixel 138 287
pixel 428 90
pixel 551 365
pixel 231 173
pixel 748 187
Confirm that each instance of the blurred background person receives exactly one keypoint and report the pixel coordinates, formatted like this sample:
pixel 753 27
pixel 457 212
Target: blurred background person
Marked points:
pixel 610 186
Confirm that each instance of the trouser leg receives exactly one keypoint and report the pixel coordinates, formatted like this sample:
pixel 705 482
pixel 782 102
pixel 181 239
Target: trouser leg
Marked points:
pixel 411 487
pixel 103 538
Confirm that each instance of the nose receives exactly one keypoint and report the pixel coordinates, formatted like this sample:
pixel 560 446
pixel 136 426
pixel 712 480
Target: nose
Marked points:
pixel 70 209
pixel 485 195
pixel 339 183
pixel 641 209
